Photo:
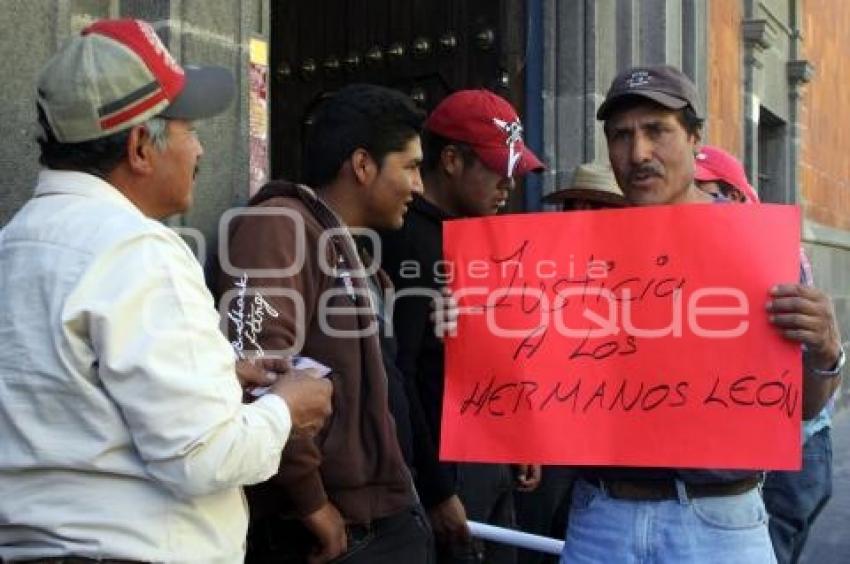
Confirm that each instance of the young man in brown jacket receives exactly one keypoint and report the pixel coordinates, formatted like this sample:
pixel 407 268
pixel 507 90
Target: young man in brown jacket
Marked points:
pixel 294 281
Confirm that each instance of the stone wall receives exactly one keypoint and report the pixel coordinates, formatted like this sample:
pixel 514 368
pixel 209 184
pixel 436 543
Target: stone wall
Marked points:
pixel 196 31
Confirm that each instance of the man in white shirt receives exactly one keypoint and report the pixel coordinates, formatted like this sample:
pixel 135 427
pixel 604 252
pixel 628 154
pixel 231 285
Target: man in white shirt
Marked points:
pixel 124 437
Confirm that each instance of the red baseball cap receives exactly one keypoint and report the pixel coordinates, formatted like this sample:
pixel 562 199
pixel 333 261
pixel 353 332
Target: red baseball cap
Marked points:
pixel 490 126
pixel 116 74
pixel 713 163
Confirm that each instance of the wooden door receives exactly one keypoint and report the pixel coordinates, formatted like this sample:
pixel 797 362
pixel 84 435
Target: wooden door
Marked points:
pixel 426 48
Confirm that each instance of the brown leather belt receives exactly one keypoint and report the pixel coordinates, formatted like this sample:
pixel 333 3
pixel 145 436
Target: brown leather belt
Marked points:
pixel 662 490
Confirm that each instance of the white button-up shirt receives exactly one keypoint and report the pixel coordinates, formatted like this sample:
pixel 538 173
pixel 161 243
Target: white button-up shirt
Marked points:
pixel 122 432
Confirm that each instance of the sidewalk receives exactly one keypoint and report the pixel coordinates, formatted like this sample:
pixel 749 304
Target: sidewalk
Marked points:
pixel 829 541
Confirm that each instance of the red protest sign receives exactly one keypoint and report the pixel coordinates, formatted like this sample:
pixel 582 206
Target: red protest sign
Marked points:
pixel 634 337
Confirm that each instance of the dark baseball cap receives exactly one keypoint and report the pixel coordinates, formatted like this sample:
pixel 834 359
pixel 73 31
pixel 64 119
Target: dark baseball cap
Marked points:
pixel 663 84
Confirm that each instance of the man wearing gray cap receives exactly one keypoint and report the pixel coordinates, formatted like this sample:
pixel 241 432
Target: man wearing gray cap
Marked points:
pixel 653 128
pixel 124 435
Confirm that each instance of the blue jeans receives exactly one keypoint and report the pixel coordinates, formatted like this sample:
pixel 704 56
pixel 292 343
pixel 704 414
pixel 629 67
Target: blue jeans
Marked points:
pixel 728 529
pixel 795 499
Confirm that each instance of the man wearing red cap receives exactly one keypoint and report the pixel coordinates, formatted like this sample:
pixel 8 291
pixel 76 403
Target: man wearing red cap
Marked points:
pixel 793 499
pixel 124 435
pixel 652 123
pixel 719 173
pixel 473 152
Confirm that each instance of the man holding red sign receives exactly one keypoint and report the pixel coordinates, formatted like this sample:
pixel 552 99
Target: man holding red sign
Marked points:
pixel 653 128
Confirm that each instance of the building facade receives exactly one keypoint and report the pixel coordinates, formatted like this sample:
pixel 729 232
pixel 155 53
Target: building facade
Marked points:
pixel 196 31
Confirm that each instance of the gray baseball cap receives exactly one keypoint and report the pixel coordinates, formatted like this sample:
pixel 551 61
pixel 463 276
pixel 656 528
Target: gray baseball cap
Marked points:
pixel 117 74
pixel 663 84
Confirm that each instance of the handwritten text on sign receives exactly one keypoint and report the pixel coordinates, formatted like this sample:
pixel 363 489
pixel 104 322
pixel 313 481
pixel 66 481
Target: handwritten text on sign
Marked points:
pixel 633 337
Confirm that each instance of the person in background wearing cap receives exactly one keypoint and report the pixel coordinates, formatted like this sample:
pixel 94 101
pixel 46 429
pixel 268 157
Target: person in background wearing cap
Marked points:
pixel 348 497
pixel 545 510
pixel 793 499
pixel 593 188
pixel 124 435
pixel 652 123
pixel 473 151
pixel 720 174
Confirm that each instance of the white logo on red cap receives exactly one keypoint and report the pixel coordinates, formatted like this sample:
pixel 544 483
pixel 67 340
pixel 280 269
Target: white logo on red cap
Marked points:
pixel 513 130
pixel 638 78
pixel 158 47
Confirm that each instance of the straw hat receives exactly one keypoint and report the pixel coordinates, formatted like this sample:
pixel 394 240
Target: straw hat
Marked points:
pixel 590 182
